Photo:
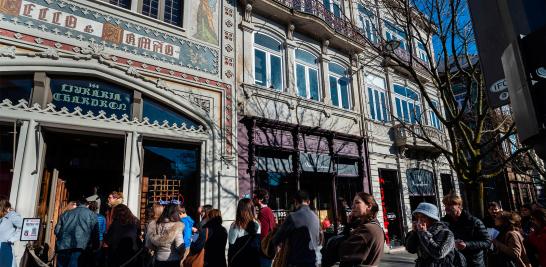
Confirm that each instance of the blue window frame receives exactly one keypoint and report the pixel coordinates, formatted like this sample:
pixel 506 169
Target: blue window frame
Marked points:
pixel 367 21
pixel 339 86
pixel 393 32
pixel 170 13
pixel 268 64
pixel 121 3
pixel 434 120
pixel 377 104
pixel 408 107
pixel 307 81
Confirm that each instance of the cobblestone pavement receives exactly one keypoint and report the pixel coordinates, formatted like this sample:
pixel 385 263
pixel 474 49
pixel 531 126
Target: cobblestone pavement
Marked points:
pixel 398 258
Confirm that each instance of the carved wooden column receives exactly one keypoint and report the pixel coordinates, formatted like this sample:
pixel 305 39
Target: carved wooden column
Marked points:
pixel 331 152
pixel 251 129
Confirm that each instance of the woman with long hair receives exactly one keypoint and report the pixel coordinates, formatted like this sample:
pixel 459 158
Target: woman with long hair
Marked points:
pixel 123 237
pixel 165 238
pixel 537 237
pixel 509 249
pixel 365 243
pixel 212 238
pixel 10 231
pixel 244 236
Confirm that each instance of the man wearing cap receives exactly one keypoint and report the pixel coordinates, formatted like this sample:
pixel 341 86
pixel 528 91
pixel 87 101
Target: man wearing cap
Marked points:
pixel 431 239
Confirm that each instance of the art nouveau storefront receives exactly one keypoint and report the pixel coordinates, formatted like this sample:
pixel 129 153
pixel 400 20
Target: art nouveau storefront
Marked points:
pixel 108 99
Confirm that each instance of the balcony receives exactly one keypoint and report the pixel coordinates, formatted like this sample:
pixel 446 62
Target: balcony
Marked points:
pixel 311 18
pixel 404 138
pixel 418 64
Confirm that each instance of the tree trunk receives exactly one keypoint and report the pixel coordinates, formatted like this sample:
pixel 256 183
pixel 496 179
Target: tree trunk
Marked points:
pixel 481 199
pixel 474 197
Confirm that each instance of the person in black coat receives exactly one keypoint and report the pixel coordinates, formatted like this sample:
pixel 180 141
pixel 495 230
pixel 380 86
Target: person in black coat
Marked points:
pixel 123 238
pixel 471 237
pixel 215 244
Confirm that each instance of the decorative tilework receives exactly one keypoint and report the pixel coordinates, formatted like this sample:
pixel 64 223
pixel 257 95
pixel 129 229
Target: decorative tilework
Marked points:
pixel 83 24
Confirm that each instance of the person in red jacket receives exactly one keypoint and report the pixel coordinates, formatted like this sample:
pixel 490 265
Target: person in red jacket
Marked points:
pixel 265 217
pixel 537 237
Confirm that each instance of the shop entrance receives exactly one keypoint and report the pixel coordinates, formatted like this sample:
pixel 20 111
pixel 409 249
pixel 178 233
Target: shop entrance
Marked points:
pixel 75 166
pixel 319 186
pixel 391 204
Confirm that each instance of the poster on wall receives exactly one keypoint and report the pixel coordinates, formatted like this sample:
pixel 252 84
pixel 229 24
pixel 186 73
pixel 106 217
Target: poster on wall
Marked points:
pixel 91 95
pixel 31 229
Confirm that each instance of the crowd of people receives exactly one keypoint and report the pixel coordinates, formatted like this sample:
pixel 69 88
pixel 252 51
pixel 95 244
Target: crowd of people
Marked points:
pixel 170 237
pixel 502 238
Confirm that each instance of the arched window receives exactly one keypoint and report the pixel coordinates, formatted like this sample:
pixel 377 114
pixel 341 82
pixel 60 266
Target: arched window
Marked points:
pixel 339 86
pixel 307 75
pixel 267 62
pixel 408 106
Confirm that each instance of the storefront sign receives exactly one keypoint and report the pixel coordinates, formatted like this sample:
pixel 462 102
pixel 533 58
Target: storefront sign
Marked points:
pixel 31 229
pixel 91 96
pixel 420 182
pixel 86 24
pixel 311 162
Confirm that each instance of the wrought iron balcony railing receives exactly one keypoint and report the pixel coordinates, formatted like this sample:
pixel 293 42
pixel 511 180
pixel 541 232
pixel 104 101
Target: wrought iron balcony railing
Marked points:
pixel 340 24
pixel 404 137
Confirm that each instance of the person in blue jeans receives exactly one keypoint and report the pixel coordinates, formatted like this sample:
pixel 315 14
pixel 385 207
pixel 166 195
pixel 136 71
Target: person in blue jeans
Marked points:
pixel 75 231
pixel 10 231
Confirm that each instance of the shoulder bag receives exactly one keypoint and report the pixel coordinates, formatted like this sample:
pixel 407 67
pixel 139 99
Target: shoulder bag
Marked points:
pixel 198 259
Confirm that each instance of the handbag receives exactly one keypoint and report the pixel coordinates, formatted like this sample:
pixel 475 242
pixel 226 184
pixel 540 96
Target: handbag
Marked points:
pixel 197 259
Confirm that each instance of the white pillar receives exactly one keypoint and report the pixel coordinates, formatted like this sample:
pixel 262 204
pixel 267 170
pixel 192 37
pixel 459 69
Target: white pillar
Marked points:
pixel 131 172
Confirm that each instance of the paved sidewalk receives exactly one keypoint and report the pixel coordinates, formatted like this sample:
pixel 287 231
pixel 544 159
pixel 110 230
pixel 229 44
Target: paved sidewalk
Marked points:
pixel 398 257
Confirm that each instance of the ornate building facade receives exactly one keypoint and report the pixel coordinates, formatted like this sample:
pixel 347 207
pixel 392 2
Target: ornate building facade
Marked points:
pixel 130 96
pixel 313 115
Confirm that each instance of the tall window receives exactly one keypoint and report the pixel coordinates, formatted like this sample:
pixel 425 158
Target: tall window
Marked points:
pixel 434 121
pixel 377 99
pixel 307 78
pixel 121 3
pixel 339 86
pixel 422 51
pixel 367 23
pixel 407 103
pixel 169 11
pixel 393 32
pixel 267 62
pixel 333 6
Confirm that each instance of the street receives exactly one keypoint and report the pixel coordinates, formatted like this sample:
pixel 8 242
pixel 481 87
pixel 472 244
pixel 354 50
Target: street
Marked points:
pixel 401 258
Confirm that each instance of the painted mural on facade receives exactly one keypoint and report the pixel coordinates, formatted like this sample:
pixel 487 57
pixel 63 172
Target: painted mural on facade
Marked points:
pixel 206 20
pixel 87 25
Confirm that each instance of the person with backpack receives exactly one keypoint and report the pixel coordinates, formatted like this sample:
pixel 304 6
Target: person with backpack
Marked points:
pixel 432 240
pixel 244 237
pixel 509 249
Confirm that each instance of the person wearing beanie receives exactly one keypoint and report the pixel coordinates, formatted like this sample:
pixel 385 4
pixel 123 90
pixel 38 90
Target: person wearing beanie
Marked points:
pixel 431 239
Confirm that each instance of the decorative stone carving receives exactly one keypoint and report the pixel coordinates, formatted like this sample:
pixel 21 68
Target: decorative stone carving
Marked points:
pixel 8 51
pixel 50 52
pixel 324 46
pixel 290 31
pixel 247 17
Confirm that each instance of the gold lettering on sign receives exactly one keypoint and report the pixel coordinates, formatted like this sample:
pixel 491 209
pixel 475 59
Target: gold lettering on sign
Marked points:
pixel 144 43
pixel 10 7
pixel 169 50
pixel 43 14
pixel 130 39
pixel 27 9
pixel 112 33
pixel 158 47
pixel 71 21
pixel 56 18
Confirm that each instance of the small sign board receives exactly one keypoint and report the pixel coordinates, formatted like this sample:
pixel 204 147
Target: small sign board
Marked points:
pixel 31 229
